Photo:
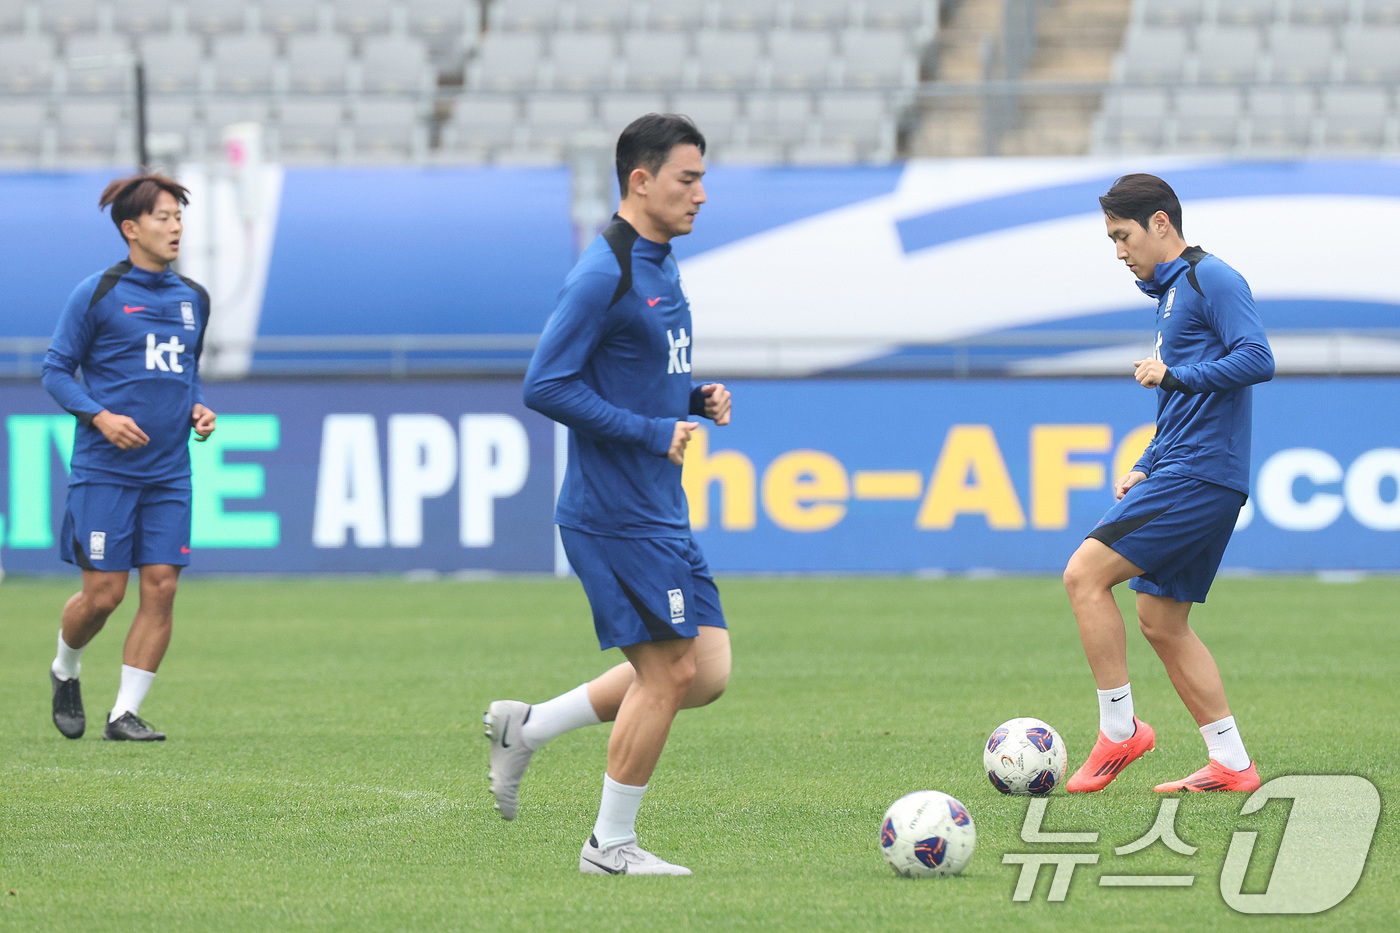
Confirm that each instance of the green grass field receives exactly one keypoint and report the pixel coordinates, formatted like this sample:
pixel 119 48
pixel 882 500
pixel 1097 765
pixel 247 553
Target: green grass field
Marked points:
pixel 326 768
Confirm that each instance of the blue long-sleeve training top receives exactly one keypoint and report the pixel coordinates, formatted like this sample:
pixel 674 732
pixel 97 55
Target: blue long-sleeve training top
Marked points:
pixel 137 336
pixel 613 364
pixel 1213 343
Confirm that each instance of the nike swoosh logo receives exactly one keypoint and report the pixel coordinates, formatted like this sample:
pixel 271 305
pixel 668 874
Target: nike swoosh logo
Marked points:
pixel 1116 699
pixel 504 729
pixel 1223 731
pixel 130 310
pixel 611 871
pixel 651 302
pixel 184 550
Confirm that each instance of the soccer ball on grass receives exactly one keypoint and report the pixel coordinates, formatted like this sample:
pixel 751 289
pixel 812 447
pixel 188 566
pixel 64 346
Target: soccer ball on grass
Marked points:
pixel 1025 756
pixel 927 833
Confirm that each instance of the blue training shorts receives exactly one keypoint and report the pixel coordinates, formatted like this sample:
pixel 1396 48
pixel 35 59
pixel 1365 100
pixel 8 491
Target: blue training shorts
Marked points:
pixel 1175 528
pixel 643 589
pixel 109 527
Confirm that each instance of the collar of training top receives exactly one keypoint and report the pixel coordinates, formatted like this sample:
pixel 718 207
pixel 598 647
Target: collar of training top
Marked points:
pixel 1166 272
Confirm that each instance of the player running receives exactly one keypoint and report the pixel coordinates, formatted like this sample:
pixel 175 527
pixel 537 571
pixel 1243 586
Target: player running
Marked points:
pixel 613 365
pixel 1178 505
pixel 136 331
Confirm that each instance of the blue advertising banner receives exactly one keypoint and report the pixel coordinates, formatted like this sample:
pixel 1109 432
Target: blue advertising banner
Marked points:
pixel 882 476
pixel 812 476
pixel 323 476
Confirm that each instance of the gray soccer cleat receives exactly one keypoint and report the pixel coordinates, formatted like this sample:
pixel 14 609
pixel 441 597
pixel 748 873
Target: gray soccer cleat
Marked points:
pixel 510 756
pixel 623 858
pixel 68 706
pixel 128 727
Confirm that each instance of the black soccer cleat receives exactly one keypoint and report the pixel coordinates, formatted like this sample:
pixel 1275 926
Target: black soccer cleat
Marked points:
pixel 128 727
pixel 68 706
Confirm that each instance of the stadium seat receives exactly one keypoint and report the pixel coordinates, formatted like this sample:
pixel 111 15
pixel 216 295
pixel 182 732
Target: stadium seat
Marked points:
pixel 655 59
pixel 94 130
pixel 26 64
pixel 857 117
pixel 1169 12
pixel 1132 120
pixel 582 60
pixel 833 15
pixel 438 19
pixel 395 64
pixel 1355 118
pixel 836 153
pixel 877 58
pixel 1381 12
pixel 291 16
pixel 244 63
pixel 310 127
pixel 1372 53
pixel 555 120
pixel 1153 55
pixel 174 117
pixel 615 111
pixel 780 116
pixel 1301 54
pixel 98 64
pixel 61 17
pixel 212 17
pixel 318 63
pixel 506 61
pixel 750 153
pixel 1227 54
pixel 364 17
pixel 1281 119
pixel 220 112
pixel 13 14
pixel 1207 119
pixel 525 15
pixel 715 112
pixel 680 15
pixel 389 128
pixel 747 15
pixel 174 63
pixel 727 59
pixel 481 123
pixel 801 59
pixel 1320 12
pixel 139 17
pixel 611 15
pixel 1247 12
pixel 918 17
pixel 24 125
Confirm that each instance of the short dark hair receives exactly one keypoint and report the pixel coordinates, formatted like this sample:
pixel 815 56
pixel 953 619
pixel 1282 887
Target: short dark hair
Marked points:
pixel 1138 197
pixel 135 195
pixel 648 140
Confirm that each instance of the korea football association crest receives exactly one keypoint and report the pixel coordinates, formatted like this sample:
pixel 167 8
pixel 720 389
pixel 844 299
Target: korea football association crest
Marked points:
pixel 1171 299
pixel 677 600
pixel 187 312
pixel 97 545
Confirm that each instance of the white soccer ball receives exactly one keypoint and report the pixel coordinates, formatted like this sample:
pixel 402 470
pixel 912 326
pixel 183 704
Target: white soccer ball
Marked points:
pixel 927 833
pixel 1025 756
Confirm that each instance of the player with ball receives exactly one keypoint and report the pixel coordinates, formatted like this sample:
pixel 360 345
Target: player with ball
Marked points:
pixel 1178 505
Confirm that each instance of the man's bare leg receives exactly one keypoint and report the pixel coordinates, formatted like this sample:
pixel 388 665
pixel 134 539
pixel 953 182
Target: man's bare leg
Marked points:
pixel 83 617
pixel 145 647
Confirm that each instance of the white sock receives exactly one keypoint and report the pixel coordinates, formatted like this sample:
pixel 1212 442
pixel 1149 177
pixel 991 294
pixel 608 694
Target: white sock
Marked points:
pixel 617 814
pixel 1116 713
pixel 1224 744
pixel 552 718
pixel 69 662
pixel 135 683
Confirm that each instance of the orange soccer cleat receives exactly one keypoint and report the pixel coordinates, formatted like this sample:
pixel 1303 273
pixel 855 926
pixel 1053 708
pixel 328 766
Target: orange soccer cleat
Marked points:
pixel 1110 757
pixel 1215 776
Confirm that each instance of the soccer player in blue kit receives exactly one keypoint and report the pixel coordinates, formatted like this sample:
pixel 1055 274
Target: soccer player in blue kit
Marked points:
pixel 613 365
pixel 1178 505
pixel 136 331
